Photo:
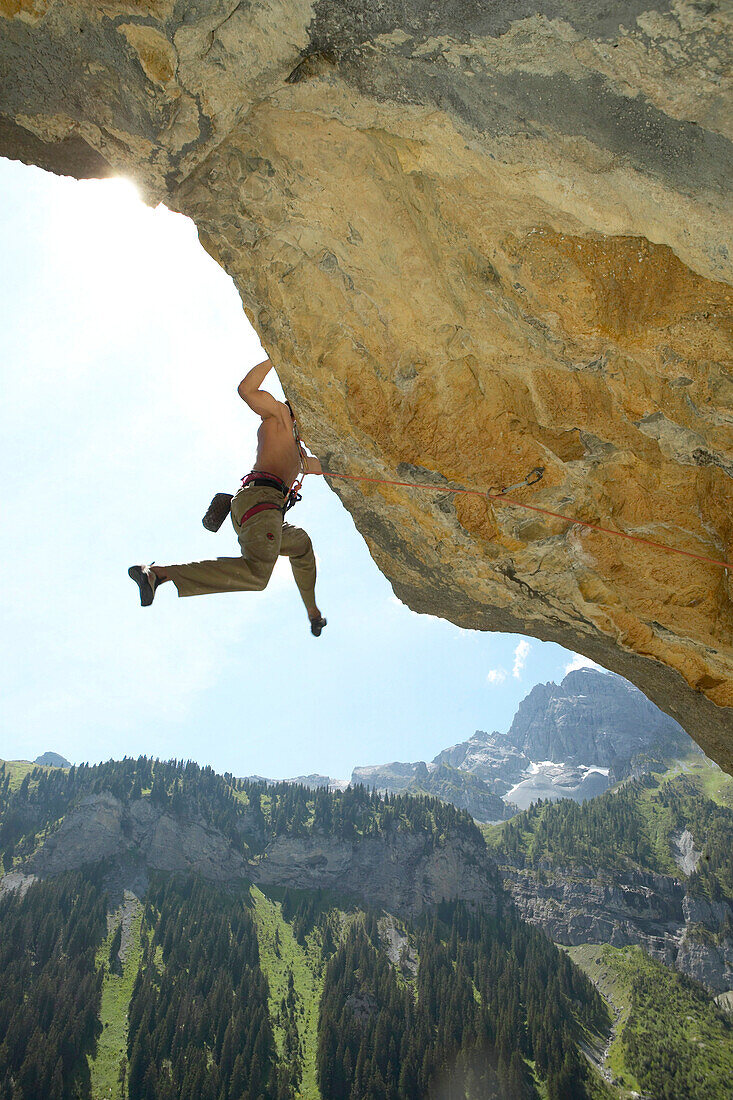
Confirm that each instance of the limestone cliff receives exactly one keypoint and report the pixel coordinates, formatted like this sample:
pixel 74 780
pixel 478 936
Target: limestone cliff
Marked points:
pixel 582 905
pixel 404 872
pixel 474 238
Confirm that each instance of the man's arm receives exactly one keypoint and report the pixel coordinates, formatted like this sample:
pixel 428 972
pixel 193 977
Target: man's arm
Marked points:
pixel 259 401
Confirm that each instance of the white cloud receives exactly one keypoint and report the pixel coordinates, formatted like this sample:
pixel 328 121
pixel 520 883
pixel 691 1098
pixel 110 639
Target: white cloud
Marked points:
pixel 520 657
pixel 496 675
pixel 579 661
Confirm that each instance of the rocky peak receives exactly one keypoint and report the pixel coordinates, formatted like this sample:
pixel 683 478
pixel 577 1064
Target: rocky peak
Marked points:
pixel 483 753
pixel 591 718
pixel 52 760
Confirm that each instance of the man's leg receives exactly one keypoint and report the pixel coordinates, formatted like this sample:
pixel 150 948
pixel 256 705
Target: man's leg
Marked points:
pixel 296 545
pixel 199 578
pixel 259 539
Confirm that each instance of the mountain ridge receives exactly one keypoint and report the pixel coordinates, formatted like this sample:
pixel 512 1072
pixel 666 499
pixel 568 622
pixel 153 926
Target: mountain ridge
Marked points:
pixel 567 740
pixel 611 870
pixel 406 854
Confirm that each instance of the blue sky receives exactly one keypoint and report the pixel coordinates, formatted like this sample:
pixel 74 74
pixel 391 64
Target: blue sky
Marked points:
pixel 122 344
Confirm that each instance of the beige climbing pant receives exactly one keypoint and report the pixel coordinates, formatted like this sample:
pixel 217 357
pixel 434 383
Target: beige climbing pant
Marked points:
pixel 262 538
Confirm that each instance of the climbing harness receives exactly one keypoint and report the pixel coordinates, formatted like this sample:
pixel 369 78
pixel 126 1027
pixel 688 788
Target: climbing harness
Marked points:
pixel 264 507
pixel 265 480
pixel 220 505
pixel 532 478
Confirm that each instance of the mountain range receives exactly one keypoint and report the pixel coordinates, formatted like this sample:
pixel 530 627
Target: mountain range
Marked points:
pixel 168 932
pixel 235 938
pixel 567 740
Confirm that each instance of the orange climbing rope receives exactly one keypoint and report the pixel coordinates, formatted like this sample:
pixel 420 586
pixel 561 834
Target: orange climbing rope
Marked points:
pixel 500 496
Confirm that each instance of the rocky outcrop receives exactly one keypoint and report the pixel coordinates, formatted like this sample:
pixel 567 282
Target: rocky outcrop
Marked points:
pixel 16 882
pixel 707 958
pixel 466 791
pixel 402 871
pixel 316 780
pixel 488 755
pixel 390 777
pixel 474 238
pixel 104 829
pixel 397 944
pixel 687 856
pixel 580 905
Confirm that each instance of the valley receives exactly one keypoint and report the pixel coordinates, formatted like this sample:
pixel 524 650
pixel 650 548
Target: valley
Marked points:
pixel 252 938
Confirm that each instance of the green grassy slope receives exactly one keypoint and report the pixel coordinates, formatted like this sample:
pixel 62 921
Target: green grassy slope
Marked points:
pixel 281 956
pixel 18 769
pixel 671 1040
pixel 711 781
pixel 111 1052
pixel 632 826
pixel 612 981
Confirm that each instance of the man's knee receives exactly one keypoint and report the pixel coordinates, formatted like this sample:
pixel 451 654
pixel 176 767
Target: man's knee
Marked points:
pixel 297 543
pixel 256 572
pixel 262 571
pixel 307 547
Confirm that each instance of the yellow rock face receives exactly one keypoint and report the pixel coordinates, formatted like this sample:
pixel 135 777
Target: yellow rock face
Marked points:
pixel 471 249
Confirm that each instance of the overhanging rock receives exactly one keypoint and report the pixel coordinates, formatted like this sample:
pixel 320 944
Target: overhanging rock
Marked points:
pixel 474 238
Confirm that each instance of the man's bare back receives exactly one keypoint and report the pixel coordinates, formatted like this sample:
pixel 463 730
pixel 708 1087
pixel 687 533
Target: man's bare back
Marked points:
pixel 277 450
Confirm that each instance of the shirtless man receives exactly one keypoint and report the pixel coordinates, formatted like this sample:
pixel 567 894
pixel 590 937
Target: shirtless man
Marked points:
pixel 257 516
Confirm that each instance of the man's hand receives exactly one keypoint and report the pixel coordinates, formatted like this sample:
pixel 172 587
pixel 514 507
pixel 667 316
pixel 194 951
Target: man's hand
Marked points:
pixel 312 465
pixel 259 401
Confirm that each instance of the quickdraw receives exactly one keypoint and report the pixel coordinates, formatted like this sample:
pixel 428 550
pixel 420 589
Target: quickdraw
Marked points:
pixel 293 496
pixel 532 478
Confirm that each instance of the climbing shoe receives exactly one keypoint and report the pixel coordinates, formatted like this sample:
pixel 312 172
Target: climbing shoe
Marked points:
pixel 317 626
pixel 146 581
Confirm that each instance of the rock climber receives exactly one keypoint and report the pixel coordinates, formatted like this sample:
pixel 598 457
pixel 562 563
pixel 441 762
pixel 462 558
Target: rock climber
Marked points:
pixel 257 512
